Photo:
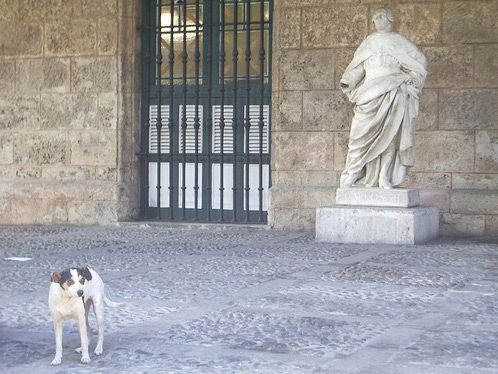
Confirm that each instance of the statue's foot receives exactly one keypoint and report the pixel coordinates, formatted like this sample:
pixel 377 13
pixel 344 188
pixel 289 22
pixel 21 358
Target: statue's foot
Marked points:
pixel 384 183
pixel 348 180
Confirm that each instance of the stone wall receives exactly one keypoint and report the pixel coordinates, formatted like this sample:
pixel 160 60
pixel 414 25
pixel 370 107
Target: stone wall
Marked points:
pixel 457 131
pixel 69 107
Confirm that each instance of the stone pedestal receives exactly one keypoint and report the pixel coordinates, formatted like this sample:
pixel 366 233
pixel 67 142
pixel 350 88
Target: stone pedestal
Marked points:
pixel 375 215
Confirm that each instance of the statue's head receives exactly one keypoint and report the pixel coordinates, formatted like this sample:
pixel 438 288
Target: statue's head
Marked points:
pixel 383 19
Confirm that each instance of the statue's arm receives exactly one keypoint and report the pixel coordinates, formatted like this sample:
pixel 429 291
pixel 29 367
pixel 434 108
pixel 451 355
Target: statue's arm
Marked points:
pixel 352 77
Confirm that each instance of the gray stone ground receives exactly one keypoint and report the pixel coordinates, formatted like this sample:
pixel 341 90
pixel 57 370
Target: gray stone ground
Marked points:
pixel 218 299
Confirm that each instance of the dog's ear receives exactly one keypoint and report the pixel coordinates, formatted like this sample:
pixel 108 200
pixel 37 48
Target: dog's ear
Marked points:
pixel 56 277
pixel 85 272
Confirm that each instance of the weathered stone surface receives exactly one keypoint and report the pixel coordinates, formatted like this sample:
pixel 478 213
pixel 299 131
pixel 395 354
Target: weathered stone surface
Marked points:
pixel 67 173
pixel 127 35
pixel 355 224
pixel 320 178
pixel 42 75
pixel 326 111
pixel 105 173
pixel 290 111
pixel 340 150
pixel 470 22
pixel 6 148
pixel 420 23
pixel 288 27
pixel 491 225
pixel 427 180
pixel 20 39
pixel 435 197
pixel 93 148
pixel 428 111
pixel 94 74
pixel 7 71
pixel 30 210
pixel 487 151
pixel 45 9
pixel 19 112
pixel 342 60
pixel 69 111
pixel 474 202
pixel 40 148
pixel 462 224
pixel 449 67
pixel 486 65
pixel 444 151
pixel 301 197
pixel 362 196
pixel 107 36
pixel 95 8
pixel 73 37
pixel 338 26
pixel 8 9
pixel 468 109
pixel 475 181
pixel 87 212
pixel 292 151
pixel 307 69
pixel 298 219
pixel 107 112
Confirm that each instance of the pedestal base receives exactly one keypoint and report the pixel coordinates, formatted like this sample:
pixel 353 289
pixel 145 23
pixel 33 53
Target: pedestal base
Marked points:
pixel 355 224
pixel 372 196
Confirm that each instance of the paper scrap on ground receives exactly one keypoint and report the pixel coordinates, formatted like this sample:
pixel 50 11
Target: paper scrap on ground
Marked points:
pixel 18 258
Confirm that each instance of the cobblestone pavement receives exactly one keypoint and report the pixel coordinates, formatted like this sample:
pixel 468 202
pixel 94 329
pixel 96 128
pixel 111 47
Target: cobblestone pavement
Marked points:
pixel 213 299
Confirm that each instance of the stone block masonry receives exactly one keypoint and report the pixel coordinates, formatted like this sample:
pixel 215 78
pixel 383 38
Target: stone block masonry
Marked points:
pixel 69 105
pixel 456 150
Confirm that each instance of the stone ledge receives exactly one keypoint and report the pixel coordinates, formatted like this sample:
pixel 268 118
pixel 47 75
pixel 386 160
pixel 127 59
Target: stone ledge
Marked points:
pixel 398 198
pixel 364 225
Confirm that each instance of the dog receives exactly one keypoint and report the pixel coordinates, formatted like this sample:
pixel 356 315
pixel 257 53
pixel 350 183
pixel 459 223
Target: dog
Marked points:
pixel 72 293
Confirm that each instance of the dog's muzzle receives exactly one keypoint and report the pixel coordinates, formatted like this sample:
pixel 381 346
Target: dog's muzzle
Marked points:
pixel 80 293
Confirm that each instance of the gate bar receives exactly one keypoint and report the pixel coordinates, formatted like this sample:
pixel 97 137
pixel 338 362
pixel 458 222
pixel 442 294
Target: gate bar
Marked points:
pixel 222 111
pixel 209 113
pixel 171 105
pixel 159 124
pixel 196 117
pixel 262 90
pixel 184 114
pixel 248 118
pixel 235 55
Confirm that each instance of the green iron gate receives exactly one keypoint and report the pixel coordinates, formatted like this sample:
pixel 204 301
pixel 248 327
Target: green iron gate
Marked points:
pixel 205 145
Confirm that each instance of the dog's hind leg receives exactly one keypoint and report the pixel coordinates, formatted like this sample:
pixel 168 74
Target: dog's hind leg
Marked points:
pixel 98 307
pixel 58 342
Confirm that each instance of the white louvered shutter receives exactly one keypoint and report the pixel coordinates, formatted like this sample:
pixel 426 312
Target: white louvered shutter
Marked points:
pixel 254 129
pixel 190 131
pixel 228 129
pixel 153 129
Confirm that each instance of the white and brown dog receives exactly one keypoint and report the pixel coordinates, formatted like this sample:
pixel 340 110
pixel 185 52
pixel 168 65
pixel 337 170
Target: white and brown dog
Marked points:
pixel 72 293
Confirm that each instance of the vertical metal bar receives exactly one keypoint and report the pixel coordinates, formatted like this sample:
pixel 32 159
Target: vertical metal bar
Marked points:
pixel 248 103
pixel 222 111
pixel 235 55
pixel 184 114
pixel 262 91
pixel 209 122
pixel 145 128
pixel 196 117
pixel 171 103
pixel 159 60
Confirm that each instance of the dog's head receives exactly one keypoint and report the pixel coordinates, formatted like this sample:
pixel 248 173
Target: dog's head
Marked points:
pixel 72 280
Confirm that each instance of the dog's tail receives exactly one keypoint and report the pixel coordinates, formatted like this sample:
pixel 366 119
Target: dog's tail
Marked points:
pixel 112 304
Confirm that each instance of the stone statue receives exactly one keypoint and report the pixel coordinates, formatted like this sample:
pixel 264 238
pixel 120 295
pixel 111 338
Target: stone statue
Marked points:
pixel 384 81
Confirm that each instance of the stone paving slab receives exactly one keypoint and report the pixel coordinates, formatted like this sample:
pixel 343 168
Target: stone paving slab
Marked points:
pixel 235 299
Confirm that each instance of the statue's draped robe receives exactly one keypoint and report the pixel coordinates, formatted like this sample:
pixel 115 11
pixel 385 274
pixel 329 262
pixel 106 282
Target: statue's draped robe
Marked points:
pixel 385 78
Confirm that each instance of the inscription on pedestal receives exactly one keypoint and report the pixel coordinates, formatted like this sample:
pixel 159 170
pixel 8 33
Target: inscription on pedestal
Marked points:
pixel 398 198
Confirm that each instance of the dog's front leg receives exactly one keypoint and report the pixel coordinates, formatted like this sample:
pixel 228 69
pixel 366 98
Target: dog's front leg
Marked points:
pixel 58 342
pixel 85 358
